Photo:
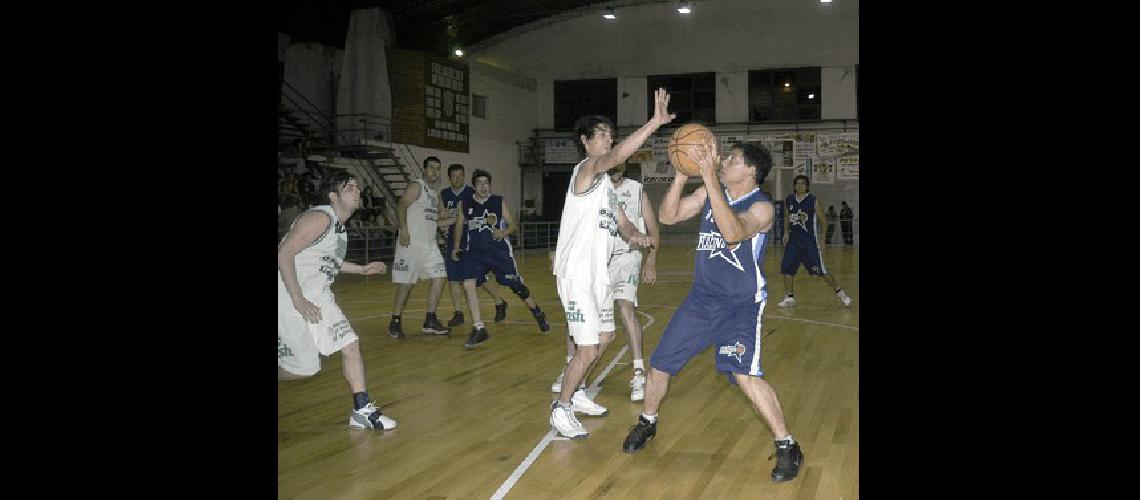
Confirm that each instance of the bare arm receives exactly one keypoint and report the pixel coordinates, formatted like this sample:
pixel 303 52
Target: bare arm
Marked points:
pixel 410 196
pixel 649 267
pixel 309 227
pixel 675 209
pixel 626 148
pixel 629 232
pixel 499 234
pixel 457 231
pixel 377 267
pixel 822 223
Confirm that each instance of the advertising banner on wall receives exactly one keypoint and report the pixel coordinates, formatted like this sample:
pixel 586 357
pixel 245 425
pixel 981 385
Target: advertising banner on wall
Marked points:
pixel 823 171
pixel 848 168
pixel 561 151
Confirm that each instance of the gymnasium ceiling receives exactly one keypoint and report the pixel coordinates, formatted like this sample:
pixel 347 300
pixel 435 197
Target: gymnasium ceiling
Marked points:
pixel 433 26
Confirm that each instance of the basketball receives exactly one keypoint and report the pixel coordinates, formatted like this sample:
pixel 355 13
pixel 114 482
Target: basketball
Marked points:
pixel 683 147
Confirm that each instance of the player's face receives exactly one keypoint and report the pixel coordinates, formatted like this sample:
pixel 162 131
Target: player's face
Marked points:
pixel 482 187
pixel 456 178
pixel 349 195
pixel 431 172
pixel 600 143
pixel 733 169
pixel 801 186
pixel 617 173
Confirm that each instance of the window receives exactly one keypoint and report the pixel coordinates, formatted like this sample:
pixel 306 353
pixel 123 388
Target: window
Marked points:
pixel 691 96
pixel 479 106
pixel 790 94
pixel 576 98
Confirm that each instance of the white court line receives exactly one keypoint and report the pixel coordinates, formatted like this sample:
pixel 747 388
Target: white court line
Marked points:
pixel 551 436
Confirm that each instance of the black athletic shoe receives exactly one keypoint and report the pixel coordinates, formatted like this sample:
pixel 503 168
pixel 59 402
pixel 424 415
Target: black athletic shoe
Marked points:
pixel 478 336
pixel 500 311
pixel 638 435
pixel 542 324
pixel 789 458
pixel 395 331
pixel 455 320
pixel 433 327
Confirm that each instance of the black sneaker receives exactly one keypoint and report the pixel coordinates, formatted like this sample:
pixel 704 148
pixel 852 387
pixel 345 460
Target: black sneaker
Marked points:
pixel 455 320
pixel 542 324
pixel 500 311
pixel 789 458
pixel 478 336
pixel 638 435
pixel 395 331
pixel 433 327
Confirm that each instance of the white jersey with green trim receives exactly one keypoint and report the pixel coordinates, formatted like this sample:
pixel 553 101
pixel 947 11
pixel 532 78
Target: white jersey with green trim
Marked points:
pixel 588 230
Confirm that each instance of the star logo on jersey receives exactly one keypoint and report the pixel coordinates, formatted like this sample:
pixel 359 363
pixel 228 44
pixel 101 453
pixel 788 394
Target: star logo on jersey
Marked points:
pixel 736 351
pixel 714 243
pixel 486 221
pixel 799 219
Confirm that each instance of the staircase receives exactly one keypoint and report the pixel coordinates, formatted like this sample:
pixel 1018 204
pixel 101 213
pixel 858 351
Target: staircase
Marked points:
pixel 374 163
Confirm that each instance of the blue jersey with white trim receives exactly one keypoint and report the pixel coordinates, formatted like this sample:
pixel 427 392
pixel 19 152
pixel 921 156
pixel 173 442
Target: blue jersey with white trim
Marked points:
pixel 451 204
pixel 732 272
pixel 479 218
pixel 802 221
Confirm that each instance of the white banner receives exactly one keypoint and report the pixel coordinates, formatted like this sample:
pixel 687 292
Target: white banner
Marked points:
pixel 823 172
pixel 561 151
pixel 848 168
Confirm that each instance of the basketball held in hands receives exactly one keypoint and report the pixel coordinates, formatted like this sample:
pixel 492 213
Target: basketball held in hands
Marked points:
pixel 685 145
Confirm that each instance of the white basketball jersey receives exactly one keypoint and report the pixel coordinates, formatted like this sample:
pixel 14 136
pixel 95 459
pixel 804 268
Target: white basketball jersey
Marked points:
pixel 588 230
pixel 318 264
pixel 422 215
pixel 629 194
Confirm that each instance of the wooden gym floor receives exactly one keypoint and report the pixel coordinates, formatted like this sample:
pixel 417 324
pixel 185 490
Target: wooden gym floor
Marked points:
pixel 474 424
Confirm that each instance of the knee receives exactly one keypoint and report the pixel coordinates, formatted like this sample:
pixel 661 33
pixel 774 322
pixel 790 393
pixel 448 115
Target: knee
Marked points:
pixel 521 290
pixel 607 337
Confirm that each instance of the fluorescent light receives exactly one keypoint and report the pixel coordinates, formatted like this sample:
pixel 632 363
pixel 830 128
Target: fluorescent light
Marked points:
pixel 824 1
pixel 459 52
pixel 684 7
pixel 811 96
pixel 609 13
pixel 786 85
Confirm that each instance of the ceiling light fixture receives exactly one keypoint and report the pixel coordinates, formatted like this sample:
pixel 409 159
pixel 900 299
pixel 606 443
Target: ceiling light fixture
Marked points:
pixel 458 52
pixel 685 7
pixel 609 13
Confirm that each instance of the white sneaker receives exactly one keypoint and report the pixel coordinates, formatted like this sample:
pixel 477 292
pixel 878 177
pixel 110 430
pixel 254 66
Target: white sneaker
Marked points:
pixel 557 385
pixel 787 302
pixel 564 421
pixel 369 417
pixel 581 403
pixel 637 387
pixel 843 296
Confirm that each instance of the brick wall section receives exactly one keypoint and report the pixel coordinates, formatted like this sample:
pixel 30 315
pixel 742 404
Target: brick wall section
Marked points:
pixel 406 70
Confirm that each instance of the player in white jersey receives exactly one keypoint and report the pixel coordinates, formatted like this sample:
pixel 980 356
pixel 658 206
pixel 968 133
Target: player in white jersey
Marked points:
pixel 627 271
pixel 309 321
pixel 417 254
pixel 590 223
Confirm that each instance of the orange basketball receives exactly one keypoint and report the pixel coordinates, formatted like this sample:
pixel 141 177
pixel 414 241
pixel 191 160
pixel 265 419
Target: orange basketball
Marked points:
pixel 684 144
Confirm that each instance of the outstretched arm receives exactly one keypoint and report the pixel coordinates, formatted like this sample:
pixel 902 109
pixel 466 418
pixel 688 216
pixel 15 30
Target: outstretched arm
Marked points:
pixel 626 148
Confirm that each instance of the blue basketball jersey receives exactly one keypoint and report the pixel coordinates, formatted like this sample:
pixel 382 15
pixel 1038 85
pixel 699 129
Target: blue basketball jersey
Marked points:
pixel 733 273
pixel 451 204
pixel 801 218
pixel 479 219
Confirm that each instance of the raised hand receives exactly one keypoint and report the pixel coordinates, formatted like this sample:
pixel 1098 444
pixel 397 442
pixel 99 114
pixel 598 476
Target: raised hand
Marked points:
pixel 661 114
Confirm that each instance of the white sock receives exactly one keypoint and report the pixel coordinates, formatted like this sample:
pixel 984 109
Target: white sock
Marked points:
pixel 478 324
pixel 787 438
pixel 651 418
pixel 639 364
